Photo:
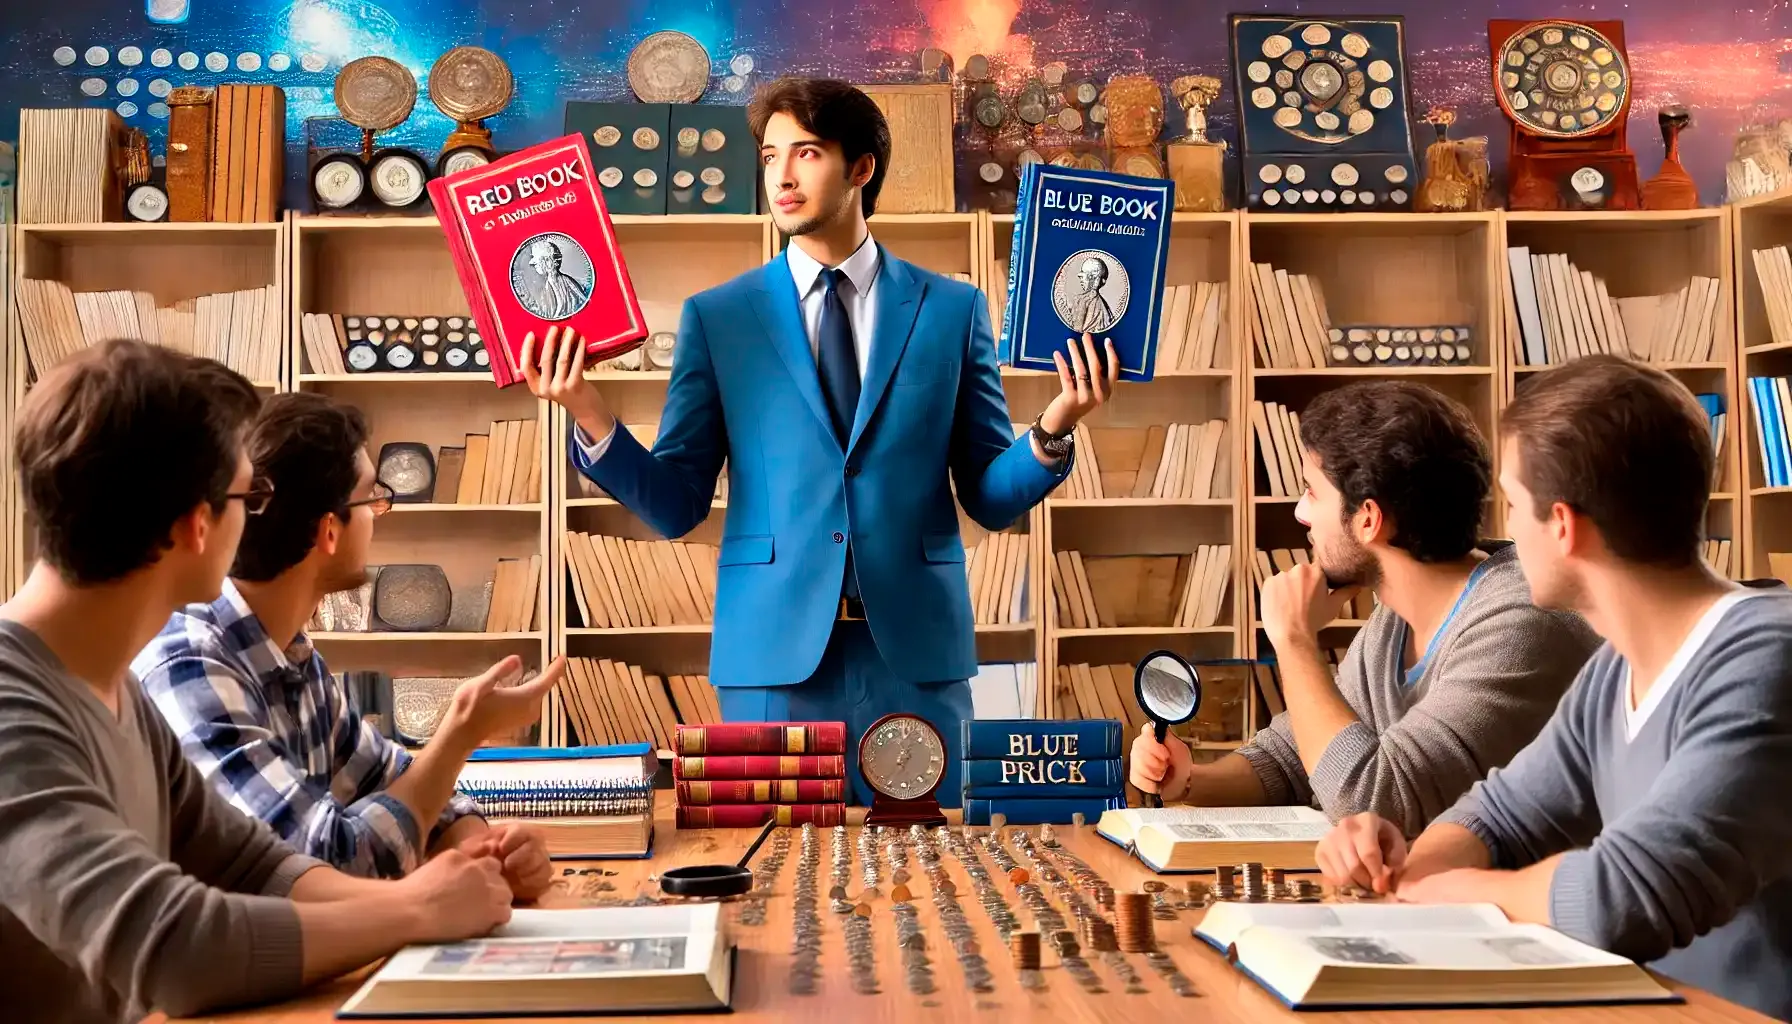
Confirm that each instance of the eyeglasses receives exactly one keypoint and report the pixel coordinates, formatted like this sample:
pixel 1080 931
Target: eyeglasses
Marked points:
pixel 255 499
pixel 380 502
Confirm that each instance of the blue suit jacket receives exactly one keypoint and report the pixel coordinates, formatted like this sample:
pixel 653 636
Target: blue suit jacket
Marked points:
pixel 931 409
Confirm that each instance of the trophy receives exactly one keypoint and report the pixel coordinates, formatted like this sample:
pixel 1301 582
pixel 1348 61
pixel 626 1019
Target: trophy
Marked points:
pixel 1197 164
pixel 374 94
pixel 1455 169
pixel 469 84
pixel 1565 86
pixel 1671 188
pixel 1134 118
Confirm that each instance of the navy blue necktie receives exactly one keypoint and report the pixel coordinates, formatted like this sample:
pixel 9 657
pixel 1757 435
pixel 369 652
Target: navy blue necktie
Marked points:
pixel 835 358
pixel 838 365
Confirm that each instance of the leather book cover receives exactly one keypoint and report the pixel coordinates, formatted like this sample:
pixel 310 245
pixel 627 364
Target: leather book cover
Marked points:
pixel 190 155
pixel 542 253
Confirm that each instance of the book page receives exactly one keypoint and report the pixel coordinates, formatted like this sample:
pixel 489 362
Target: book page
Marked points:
pixel 1231 824
pixel 1514 948
pixel 1225 921
pixel 559 958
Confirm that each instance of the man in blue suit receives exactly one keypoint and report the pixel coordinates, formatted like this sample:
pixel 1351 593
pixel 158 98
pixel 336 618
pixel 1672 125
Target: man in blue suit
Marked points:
pixel 848 392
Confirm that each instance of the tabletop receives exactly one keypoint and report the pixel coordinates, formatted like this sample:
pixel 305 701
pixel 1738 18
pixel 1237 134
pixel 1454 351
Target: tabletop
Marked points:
pixel 764 971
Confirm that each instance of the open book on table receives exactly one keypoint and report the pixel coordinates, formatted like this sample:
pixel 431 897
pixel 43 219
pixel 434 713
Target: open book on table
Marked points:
pixel 1171 840
pixel 622 960
pixel 1370 955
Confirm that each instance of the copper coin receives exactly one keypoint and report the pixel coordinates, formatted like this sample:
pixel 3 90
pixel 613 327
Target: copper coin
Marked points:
pixel 469 83
pixel 375 93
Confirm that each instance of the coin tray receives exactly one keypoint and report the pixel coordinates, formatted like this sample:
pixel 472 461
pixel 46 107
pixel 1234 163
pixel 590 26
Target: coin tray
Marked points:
pixel 1391 345
pixel 724 179
pixel 631 146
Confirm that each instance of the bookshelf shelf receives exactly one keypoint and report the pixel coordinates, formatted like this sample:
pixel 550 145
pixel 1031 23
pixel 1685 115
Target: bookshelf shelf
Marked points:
pixel 421 638
pixel 396 378
pixel 701 629
pixel 1106 631
pixel 530 508
pixel 1378 371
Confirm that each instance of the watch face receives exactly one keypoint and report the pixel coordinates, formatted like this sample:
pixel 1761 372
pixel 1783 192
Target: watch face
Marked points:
pixel 903 757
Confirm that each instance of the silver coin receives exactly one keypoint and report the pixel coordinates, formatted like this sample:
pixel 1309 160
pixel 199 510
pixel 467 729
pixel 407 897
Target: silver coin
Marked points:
pixel 398 179
pixel 93 86
pixel 683 179
pixel 130 56
pixel 551 275
pixel 607 135
pixel 279 61
pixel 97 56
pixel 248 62
pixel 160 88
pixel 313 62
pixel 215 61
pixel 64 55
pixel 646 138
pixel 161 57
pixel 610 177
pixel 713 140
pixel 646 177
pixel 188 60
pixel 734 83
pixel 687 140
pixel 742 64
pixel 127 109
pixel 127 87
pixel 712 176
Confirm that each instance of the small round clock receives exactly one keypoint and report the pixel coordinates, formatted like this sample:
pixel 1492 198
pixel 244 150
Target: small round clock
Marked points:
pixel 903 759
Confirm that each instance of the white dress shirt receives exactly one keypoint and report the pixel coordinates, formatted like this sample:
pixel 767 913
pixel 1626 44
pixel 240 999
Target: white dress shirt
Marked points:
pixel 858 293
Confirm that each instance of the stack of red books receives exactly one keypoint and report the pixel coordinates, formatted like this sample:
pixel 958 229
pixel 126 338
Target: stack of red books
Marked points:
pixel 743 774
pixel 535 251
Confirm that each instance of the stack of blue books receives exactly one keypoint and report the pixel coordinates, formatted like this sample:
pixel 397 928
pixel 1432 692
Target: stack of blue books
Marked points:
pixel 1036 771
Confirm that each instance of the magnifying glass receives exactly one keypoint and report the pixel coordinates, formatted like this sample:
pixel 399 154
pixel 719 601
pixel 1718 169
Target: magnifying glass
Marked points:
pixel 714 881
pixel 1169 691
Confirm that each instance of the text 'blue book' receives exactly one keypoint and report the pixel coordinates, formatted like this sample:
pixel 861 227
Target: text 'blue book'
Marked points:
pixel 1088 255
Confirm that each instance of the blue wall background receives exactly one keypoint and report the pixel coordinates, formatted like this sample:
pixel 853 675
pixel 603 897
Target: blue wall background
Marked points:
pixel 1728 60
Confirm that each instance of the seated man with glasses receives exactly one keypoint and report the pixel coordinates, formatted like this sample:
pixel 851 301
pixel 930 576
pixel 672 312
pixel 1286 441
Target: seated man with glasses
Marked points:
pixel 264 720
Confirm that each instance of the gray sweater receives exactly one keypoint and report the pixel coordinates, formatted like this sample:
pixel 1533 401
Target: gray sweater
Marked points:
pixel 124 879
pixel 1679 839
pixel 1490 680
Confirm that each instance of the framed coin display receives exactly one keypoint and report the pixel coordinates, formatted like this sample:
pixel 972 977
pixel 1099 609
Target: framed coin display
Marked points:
pixel 903 760
pixel 1565 88
pixel 469 84
pixel 1317 96
pixel 375 94
pixel 722 160
pixel 626 139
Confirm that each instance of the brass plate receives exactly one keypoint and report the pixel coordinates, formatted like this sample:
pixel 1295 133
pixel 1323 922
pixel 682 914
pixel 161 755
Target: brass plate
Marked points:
pixel 375 93
pixel 470 83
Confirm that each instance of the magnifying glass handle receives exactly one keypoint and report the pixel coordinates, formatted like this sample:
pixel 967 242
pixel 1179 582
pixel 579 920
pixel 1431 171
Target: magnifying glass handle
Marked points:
pixel 1154 800
pixel 1163 729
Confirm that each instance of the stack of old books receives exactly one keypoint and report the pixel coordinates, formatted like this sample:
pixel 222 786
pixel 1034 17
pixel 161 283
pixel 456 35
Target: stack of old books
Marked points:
pixel 743 774
pixel 1037 772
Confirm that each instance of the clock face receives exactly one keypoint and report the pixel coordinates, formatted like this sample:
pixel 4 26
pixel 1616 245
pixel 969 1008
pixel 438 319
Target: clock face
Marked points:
pixel 903 757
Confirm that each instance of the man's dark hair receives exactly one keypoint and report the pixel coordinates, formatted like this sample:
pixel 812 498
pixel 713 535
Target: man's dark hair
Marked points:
pixel 1624 444
pixel 835 111
pixel 116 444
pixel 304 444
pixel 1415 452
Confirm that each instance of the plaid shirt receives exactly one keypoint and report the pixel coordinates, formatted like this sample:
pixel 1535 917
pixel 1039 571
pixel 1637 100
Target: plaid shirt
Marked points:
pixel 279 737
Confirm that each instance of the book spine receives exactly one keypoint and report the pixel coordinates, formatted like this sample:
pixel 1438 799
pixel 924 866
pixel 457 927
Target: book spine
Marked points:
pixel 1005 346
pixel 762 738
pixel 754 815
pixel 761 766
pixel 1024 811
pixel 705 793
pixel 1090 738
pixel 1044 777
pixel 551 802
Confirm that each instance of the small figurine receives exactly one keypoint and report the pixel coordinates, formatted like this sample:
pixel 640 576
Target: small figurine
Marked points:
pixel 1671 188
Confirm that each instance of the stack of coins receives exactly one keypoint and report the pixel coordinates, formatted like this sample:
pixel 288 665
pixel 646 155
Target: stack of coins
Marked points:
pixel 805 922
pixel 1047 837
pixel 1255 888
pixel 1133 923
pixel 1224 883
pixel 1305 890
pixel 1023 947
pixel 1278 878
pixel 753 912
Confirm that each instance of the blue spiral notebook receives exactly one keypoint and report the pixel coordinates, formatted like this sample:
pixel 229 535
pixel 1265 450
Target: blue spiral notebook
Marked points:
pixel 1089 253
pixel 589 802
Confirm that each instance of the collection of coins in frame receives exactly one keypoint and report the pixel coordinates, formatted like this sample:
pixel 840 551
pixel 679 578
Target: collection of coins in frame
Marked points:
pixel 1448 345
pixel 413 344
pixel 376 94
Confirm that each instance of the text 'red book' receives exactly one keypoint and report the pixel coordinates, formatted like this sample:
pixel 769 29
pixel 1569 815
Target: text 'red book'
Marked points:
pixel 534 248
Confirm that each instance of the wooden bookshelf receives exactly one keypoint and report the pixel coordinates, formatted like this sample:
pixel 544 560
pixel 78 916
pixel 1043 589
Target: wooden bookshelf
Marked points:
pixel 1759 223
pixel 1374 269
pixel 399 266
pixel 171 262
pixel 1648 253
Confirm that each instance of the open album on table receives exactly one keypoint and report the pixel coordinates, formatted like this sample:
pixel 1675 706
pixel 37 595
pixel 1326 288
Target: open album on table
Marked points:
pixel 1172 840
pixel 1371 955
pixel 621 960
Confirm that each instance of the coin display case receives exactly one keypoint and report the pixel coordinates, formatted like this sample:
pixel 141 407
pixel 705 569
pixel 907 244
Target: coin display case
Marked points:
pixel 1323 119
pixel 630 149
pixel 1565 87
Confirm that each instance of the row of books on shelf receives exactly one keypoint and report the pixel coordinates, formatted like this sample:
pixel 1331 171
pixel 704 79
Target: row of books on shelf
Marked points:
pixel 619 582
pixel 997 570
pixel 1773 270
pixel 1771 398
pixel 502 467
pixel 1286 319
pixel 419 598
pixel 1565 312
pixel 1006 689
pixel 1280 448
pixel 1179 461
pixel 1111 591
pixel 240 329
pixel 609 702
pixel 1717 556
pixel 1192 330
pixel 582 486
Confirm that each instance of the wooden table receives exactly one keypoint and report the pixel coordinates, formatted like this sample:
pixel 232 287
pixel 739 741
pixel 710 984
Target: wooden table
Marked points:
pixel 760 992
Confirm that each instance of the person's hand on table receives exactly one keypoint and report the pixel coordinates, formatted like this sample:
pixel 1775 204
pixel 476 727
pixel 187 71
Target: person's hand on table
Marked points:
pixel 1366 850
pixel 458 897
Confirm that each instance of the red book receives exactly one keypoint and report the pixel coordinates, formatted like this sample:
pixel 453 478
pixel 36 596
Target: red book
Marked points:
pixel 534 249
pixel 762 738
pixel 760 791
pixel 760 766
pixel 755 815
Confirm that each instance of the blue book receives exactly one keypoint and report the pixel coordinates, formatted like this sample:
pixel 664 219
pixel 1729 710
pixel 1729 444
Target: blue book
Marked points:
pixel 1089 253
pixel 994 738
pixel 1044 777
pixel 1025 811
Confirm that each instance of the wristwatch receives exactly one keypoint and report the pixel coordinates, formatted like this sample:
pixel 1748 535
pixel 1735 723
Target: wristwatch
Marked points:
pixel 1056 446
